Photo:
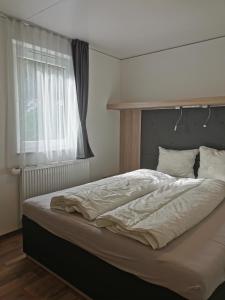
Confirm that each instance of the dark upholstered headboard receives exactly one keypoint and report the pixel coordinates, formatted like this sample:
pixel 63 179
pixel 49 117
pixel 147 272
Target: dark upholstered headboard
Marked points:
pixel 158 130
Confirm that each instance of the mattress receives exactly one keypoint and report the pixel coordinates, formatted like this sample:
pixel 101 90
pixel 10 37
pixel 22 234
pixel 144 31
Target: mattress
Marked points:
pixel 193 265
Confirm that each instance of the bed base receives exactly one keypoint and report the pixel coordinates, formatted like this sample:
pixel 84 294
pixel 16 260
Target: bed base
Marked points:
pixel 58 277
pixel 86 272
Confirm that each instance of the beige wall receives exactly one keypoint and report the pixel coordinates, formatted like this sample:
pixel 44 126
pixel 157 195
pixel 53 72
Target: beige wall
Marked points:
pixel 103 128
pixel 187 72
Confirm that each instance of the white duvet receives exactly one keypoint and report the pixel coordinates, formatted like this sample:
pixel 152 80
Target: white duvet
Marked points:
pixel 161 216
pixel 95 198
pixel 145 205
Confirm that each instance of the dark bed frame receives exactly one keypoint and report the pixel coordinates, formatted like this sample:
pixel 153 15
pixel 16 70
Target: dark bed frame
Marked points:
pixel 94 277
pixel 88 273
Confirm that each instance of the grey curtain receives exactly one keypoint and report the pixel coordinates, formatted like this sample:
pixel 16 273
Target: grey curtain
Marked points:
pixel 80 53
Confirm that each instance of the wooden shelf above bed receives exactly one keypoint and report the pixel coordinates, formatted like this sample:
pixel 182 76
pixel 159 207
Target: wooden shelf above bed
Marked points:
pixel 124 105
pixel 130 124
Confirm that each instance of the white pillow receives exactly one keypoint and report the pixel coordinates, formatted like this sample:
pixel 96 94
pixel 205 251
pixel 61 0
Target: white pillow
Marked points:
pixel 177 163
pixel 212 163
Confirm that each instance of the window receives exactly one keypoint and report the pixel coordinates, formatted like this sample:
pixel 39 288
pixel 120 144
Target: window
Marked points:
pixel 45 95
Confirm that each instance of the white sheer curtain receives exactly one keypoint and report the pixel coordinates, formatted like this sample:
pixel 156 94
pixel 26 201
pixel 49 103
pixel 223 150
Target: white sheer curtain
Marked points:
pixel 43 117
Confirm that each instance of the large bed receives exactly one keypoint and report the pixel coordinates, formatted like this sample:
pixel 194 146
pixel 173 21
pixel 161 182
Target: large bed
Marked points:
pixel 191 266
pixel 109 266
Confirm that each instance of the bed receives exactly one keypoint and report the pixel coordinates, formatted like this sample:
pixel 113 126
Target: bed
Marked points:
pixel 105 265
pixel 192 265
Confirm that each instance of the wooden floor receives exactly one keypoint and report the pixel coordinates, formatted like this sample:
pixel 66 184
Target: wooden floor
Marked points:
pixel 22 279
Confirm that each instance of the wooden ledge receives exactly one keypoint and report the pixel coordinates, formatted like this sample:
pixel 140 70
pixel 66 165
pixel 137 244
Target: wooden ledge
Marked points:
pixel 196 102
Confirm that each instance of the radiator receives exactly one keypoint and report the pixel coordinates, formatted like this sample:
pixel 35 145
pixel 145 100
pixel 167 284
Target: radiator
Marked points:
pixel 42 180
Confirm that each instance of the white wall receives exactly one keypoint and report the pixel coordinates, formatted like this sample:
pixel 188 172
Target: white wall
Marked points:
pixel 103 125
pixel 187 72
pixel 103 128
pixel 8 184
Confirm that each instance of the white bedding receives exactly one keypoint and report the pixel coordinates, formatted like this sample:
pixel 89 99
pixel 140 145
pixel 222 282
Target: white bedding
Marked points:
pixel 95 198
pixel 145 205
pixel 159 217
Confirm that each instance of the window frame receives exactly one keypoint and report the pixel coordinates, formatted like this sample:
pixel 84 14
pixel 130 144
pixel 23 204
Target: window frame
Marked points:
pixel 29 147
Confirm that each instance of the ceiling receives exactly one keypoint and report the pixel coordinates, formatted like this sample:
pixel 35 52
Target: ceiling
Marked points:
pixel 125 28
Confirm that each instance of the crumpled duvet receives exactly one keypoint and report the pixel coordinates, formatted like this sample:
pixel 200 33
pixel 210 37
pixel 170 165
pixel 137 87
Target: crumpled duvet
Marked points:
pixel 95 198
pixel 148 206
pixel 163 215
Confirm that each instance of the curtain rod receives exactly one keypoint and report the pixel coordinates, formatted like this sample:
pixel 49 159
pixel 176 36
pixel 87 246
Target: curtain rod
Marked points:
pixel 29 23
